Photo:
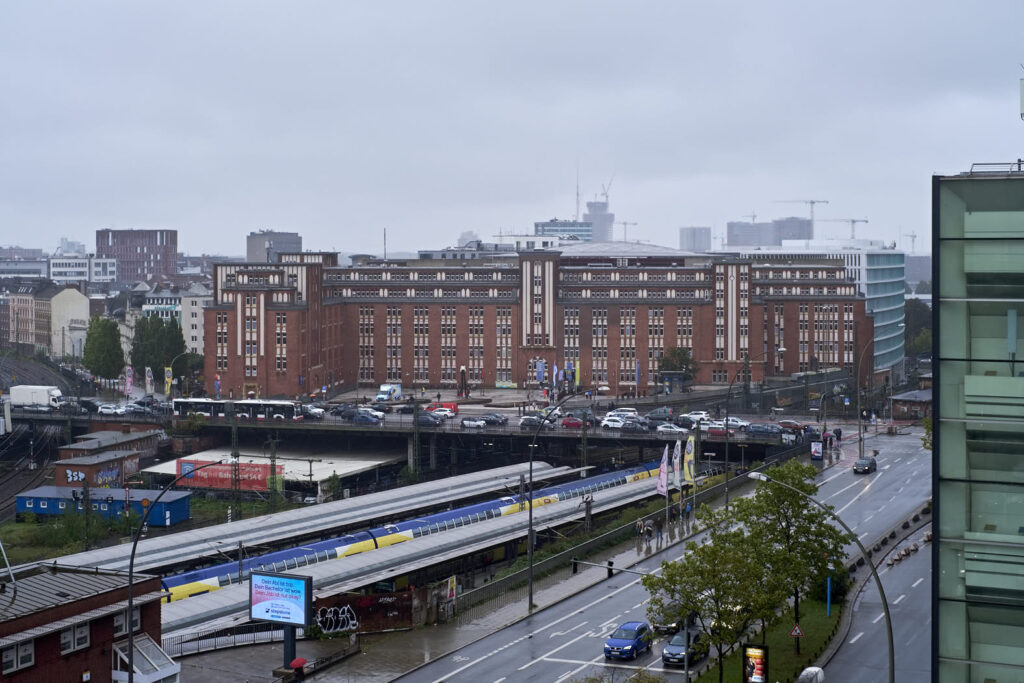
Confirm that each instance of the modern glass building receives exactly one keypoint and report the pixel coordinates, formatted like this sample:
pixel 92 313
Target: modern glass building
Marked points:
pixel 978 471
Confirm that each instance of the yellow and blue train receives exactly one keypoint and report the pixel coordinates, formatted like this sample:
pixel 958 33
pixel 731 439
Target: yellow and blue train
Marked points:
pixel 206 579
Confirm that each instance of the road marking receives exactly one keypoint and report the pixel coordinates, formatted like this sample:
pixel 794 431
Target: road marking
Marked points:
pixel 885 467
pixel 566 631
pixel 562 646
pixel 892 499
pixel 578 669
pixel 500 679
pixel 868 517
pixel 863 535
pixel 881 508
pixel 916 583
pixel 613 620
pixel 856 637
pixel 897 460
pixel 879 617
pixel 899 490
pixel 899 599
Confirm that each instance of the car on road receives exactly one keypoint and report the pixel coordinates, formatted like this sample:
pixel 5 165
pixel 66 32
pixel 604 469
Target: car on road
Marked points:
pixel 136 409
pixel 737 423
pixel 367 410
pixel 72 408
pixel 111 409
pixel 365 419
pixel 678 651
pixel 405 409
pixel 313 412
pixel 763 428
pixel 534 421
pixel 612 422
pixel 629 640
pixel 661 413
pixel 585 414
pixel 148 400
pixel 446 413
pixel 792 426
pixel 428 420
pixel 494 419
pixel 686 422
pixel 699 415
pixel 622 412
pixel 865 465
pixel 383 407
pixel 669 428
pixel 633 427
pixel 474 422
pixel 572 422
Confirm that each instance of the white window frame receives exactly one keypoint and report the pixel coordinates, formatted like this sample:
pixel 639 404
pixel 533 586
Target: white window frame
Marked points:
pixel 74 638
pixel 119 627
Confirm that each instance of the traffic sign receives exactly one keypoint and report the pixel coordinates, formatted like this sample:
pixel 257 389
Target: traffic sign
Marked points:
pixel 796 632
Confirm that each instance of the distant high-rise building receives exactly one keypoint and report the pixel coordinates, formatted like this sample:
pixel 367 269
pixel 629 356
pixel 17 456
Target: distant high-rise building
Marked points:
pixel 746 234
pixel 70 248
pixel 601 220
pixel 27 253
pixel 70 269
pixel 793 228
pixel 265 245
pixel 697 239
pixel 583 230
pixel 140 254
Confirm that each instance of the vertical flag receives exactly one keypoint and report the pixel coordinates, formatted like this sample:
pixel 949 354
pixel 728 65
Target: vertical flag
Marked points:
pixel 167 381
pixel 688 460
pixel 540 371
pixel 663 474
pixel 676 463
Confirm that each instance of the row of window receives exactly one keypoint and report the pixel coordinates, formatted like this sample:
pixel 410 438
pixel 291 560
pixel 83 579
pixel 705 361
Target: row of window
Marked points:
pixel 72 639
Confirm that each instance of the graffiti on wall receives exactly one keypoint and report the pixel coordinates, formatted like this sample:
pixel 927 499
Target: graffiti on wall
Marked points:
pixel 74 476
pixel 367 613
pixel 337 619
pixel 108 477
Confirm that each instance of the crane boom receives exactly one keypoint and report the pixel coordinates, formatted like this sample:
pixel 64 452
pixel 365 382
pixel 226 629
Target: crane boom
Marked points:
pixel 852 221
pixel 809 202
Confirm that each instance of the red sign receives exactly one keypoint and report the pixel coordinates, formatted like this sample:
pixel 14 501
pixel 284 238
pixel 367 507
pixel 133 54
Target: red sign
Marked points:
pixel 251 476
pixel 796 632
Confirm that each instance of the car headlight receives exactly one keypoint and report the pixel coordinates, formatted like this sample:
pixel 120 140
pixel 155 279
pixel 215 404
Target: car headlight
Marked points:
pixel 628 647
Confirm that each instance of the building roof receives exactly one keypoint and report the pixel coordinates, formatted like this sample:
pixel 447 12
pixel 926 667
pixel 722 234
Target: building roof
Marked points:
pixel 44 586
pixel 96 458
pixel 915 396
pixel 105 440
pixel 297 465
pixel 97 494
pixel 622 249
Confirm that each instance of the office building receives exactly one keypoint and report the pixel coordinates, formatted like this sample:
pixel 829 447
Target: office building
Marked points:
pixel 750 234
pixel 582 230
pixel 978 480
pixel 608 310
pixel 601 220
pixel 140 254
pixel 264 246
pixel 72 269
pixel 696 239
pixel 23 268
pixel 193 326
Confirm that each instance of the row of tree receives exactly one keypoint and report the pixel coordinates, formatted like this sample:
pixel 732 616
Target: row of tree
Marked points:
pixel 765 550
pixel 156 344
pixel 102 354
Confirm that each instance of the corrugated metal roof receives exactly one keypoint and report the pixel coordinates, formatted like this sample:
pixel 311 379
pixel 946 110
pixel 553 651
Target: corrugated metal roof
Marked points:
pixel 45 586
pixel 61 624
pixel 98 494
pixel 95 458
pixel 106 439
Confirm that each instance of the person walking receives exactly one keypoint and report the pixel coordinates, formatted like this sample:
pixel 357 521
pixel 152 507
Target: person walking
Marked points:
pixel 659 529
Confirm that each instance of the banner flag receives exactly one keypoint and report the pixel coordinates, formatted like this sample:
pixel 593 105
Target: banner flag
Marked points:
pixel 663 474
pixel 688 460
pixel 676 462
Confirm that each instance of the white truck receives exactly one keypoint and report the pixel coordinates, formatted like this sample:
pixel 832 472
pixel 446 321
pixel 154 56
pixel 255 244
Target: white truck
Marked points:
pixel 37 397
pixel 389 392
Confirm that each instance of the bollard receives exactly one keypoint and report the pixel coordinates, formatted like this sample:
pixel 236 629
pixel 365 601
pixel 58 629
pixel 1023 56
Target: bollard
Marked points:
pixel 611 572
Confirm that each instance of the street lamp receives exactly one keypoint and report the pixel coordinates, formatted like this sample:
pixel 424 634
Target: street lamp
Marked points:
pixel 761 476
pixel 131 561
pixel 171 364
pixel 529 534
pixel 856 383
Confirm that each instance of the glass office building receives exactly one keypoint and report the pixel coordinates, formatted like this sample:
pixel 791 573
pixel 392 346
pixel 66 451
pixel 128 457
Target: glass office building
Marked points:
pixel 978 559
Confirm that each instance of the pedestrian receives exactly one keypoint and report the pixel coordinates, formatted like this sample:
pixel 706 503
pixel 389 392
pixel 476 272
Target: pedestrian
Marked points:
pixel 439 397
pixel 839 435
pixel 639 528
pixel 659 529
pixel 688 508
pixel 649 530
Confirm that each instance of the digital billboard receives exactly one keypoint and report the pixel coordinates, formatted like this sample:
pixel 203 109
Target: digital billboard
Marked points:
pixel 755 664
pixel 281 598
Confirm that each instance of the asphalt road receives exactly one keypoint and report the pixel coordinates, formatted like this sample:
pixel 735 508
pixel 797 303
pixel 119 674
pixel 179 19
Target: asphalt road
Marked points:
pixel 565 642
pixel 907 588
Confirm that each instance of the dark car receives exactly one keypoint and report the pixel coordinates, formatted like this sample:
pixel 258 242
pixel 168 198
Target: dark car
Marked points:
pixel 494 419
pixel 72 408
pixel 633 426
pixel 340 408
pixel 365 419
pixel 685 421
pixel 672 626
pixel 662 413
pixel 382 407
pixel 428 420
pixel 136 409
pixel 405 408
pixel 629 640
pixel 148 400
pixel 678 651
pixel 348 412
pixel 865 466
pixel 90 404
pixel 763 428
pixel 584 414
pixel 535 421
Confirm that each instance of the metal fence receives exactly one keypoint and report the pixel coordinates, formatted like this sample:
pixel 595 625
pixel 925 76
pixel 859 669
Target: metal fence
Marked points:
pixel 218 639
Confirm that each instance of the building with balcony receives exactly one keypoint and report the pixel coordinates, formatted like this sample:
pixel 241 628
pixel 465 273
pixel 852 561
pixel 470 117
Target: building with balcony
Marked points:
pixel 978 480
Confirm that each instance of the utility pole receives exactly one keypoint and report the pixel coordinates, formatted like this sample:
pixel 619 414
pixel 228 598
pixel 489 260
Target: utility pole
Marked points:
pixel 275 481
pixel 625 226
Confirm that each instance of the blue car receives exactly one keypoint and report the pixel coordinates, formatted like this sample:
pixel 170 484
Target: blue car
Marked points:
pixel 364 419
pixel 629 640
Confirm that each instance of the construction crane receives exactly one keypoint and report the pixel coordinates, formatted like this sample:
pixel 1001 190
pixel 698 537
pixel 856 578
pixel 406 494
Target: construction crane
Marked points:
pixel 625 226
pixel 852 221
pixel 605 189
pixel 913 240
pixel 808 202
pixel 752 216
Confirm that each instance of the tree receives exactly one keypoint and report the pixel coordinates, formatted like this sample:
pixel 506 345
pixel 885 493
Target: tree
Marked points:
pixel 917 316
pixel 718 580
pixel 926 440
pixel 103 355
pixel 804 545
pixel 679 359
pixel 921 343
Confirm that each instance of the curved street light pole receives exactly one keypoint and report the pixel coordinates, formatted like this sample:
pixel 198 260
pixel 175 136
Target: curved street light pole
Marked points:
pixel 529 534
pixel 860 424
pixel 131 562
pixel 761 476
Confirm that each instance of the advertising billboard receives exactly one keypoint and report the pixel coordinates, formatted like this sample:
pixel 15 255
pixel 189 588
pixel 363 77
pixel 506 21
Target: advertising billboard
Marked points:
pixel 252 476
pixel 281 598
pixel 755 664
pixel 816 450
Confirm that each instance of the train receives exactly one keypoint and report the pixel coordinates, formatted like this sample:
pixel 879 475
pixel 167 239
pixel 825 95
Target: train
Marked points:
pixel 207 579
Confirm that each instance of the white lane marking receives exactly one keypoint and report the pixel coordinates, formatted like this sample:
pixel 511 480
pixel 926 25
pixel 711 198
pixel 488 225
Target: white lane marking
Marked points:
pixel 881 615
pixel 500 679
pixel 916 583
pixel 897 459
pixel 899 599
pixel 637 605
pixel 566 631
pixel 856 637
pixel 892 499
pixel 863 535
pixel 562 646
pixel 864 490
pixel 881 508
pixel 578 669
pixel 613 620
pixel 899 490
pixel 855 482
pixel 868 517
pixel 885 467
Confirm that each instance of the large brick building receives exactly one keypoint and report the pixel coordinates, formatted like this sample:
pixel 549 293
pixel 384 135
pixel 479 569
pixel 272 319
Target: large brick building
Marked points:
pixel 609 310
pixel 140 254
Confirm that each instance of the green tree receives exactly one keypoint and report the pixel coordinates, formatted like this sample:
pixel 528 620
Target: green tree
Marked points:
pixel 921 343
pixel 102 354
pixel 926 440
pixel 917 316
pixel 679 359
pixel 799 540
pixel 717 580
pixel 141 343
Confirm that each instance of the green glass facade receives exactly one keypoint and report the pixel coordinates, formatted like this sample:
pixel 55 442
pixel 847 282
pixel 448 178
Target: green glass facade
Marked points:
pixel 978 467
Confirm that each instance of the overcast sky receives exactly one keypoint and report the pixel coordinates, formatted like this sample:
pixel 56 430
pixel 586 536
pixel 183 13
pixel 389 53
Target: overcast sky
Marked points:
pixel 341 119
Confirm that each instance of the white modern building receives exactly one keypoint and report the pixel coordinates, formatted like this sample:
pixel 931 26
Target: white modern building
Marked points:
pixel 192 303
pixel 73 269
pixel 69 323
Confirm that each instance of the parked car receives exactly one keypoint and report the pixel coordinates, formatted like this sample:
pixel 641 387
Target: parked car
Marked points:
pixel 382 407
pixel 111 409
pixel 428 420
pixel 669 428
pixel 678 651
pixel 572 422
pixel 446 413
pixel 613 422
pixel 865 465
pixel 737 423
pixel 633 426
pixel 494 418
pixel 629 640
pixel 534 421
pixel 474 422
pixel 763 428
pixel 365 419
pixel 367 410
pixel 660 413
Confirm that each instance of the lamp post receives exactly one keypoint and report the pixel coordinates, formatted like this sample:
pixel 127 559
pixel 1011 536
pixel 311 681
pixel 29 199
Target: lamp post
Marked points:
pixel 856 380
pixel 529 534
pixel 131 561
pixel 171 364
pixel 761 476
